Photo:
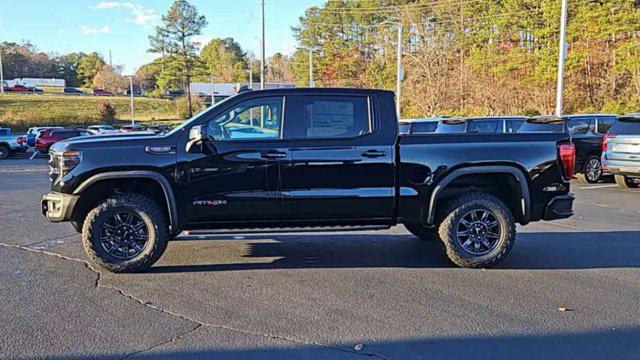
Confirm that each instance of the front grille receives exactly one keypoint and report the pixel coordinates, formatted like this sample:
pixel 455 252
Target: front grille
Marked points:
pixel 54 167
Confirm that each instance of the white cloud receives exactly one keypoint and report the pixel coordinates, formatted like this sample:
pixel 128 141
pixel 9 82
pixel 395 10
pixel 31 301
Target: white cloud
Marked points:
pixel 140 14
pixel 88 30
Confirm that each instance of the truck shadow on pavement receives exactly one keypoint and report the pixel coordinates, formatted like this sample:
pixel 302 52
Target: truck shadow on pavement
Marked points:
pixel 535 250
pixel 599 344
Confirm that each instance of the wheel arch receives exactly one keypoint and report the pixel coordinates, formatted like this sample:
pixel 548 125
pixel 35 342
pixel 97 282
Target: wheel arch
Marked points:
pixel 167 196
pixel 523 213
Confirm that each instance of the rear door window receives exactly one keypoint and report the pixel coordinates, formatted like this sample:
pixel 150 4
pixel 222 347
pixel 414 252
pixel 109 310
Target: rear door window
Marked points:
pixel 484 126
pixel 604 124
pixel 333 117
pixel 580 126
pixel 424 127
pixel 452 127
pixel 513 126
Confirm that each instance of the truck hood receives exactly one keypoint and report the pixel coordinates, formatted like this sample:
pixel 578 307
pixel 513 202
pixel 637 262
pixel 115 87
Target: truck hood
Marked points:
pixel 108 141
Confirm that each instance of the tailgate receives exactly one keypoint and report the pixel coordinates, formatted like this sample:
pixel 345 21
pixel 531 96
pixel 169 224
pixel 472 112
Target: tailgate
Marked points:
pixel 624 148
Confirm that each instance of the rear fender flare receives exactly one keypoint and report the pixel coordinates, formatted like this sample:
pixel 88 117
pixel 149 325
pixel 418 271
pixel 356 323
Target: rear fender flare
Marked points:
pixel 172 208
pixel 525 201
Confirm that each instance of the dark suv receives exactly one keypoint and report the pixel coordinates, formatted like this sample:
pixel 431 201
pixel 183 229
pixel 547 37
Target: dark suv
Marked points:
pixel 587 132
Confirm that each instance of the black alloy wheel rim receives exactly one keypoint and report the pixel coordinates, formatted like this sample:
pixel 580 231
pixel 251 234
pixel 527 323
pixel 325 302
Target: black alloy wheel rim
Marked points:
pixel 3 152
pixel 478 232
pixel 124 235
pixel 594 169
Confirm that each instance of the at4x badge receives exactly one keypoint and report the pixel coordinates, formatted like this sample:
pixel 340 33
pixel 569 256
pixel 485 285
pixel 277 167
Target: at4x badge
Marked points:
pixel 209 202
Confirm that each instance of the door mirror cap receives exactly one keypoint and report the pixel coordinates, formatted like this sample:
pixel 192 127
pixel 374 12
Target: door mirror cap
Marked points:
pixel 196 138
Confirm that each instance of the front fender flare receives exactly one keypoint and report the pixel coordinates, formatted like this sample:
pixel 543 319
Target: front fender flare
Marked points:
pixel 525 201
pixel 172 207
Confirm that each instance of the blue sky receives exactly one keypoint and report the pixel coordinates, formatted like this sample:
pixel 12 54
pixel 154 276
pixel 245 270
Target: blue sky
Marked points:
pixel 61 26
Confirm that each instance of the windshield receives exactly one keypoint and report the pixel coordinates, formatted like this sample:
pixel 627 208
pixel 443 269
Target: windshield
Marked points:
pixel 197 116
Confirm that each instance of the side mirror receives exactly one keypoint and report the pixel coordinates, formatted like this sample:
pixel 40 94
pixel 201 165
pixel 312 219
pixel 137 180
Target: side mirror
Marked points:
pixel 196 138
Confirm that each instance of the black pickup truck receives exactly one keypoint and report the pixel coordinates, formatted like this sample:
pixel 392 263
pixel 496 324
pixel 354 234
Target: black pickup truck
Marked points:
pixel 309 159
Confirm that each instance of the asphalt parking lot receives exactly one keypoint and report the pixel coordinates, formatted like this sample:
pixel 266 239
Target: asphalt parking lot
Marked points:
pixel 569 289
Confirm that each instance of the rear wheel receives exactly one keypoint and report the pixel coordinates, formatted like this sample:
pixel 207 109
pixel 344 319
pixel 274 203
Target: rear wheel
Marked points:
pixel 478 230
pixel 626 182
pixel 592 171
pixel 125 233
pixel 4 152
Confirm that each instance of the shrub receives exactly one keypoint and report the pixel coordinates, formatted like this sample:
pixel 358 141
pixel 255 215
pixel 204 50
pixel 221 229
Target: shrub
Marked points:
pixel 106 112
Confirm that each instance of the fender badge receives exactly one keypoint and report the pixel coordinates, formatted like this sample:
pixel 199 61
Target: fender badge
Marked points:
pixel 209 202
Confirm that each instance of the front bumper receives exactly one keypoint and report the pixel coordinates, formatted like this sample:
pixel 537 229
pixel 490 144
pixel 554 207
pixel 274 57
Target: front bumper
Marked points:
pixel 58 207
pixel 560 207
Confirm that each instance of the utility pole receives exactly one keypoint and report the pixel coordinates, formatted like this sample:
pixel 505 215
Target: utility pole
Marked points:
pixel 562 54
pixel 131 97
pixel 262 50
pixel 213 97
pixel 251 88
pixel 311 83
pixel 399 70
pixel 1 75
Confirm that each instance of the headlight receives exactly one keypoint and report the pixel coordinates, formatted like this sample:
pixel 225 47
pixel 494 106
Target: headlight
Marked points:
pixel 69 160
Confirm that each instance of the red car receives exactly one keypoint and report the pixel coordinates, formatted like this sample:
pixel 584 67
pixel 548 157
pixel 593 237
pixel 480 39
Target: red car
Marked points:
pixel 52 136
pixel 19 88
pixel 101 92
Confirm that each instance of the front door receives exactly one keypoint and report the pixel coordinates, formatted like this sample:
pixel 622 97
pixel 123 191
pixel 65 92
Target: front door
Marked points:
pixel 343 164
pixel 238 176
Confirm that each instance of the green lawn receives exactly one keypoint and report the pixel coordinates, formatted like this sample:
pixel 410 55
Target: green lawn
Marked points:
pixel 20 111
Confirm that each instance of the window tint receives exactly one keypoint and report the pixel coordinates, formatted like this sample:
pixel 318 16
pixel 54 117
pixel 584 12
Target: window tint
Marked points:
pixel 424 127
pixel 513 126
pixel 66 134
pixel 334 117
pixel 483 126
pixel 604 124
pixel 451 128
pixel 252 119
pixel 580 126
pixel 626 127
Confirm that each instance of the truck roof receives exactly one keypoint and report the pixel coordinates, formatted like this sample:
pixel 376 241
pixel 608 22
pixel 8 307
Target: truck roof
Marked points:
pixel 324 90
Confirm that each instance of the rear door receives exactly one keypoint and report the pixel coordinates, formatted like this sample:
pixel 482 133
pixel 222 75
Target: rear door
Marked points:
pixel 343 164
pixel 583 136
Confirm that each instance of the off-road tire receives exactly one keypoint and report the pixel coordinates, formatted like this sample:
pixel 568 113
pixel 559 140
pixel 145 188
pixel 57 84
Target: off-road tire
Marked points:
pixel 422 232
pixel 456 208
pixel 149 212
pixel 625 182
pixel 582 176
pixel 4 152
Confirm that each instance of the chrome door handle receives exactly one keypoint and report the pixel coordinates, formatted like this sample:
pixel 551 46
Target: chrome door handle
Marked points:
pixel 273 155
pixel 373 153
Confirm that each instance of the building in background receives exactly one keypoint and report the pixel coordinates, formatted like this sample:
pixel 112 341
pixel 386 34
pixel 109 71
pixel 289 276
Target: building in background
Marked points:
pixel 35 82
pixel 224 90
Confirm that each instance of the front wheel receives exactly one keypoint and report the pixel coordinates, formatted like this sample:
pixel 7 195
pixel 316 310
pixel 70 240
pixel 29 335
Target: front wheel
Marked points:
pixel 125 233
pixel 4 152
pixel 626 182
pixel 592 171
pixel 478 230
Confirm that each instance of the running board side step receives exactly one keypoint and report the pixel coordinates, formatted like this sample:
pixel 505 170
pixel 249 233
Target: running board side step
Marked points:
pixel 286 230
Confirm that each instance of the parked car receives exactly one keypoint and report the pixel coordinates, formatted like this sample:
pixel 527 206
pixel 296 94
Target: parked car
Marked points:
pixel 102 129
pixel 52 136
pixel 481 125
pixel 174 93
pixel 11 144
pixel 587 133
pixel 621 151
pixel 337 162
pixel 19 88
pixel 131 128
pixel 136 92
pixel 34 132
pixel 73 91
pixel 419 126
pixel 101 92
